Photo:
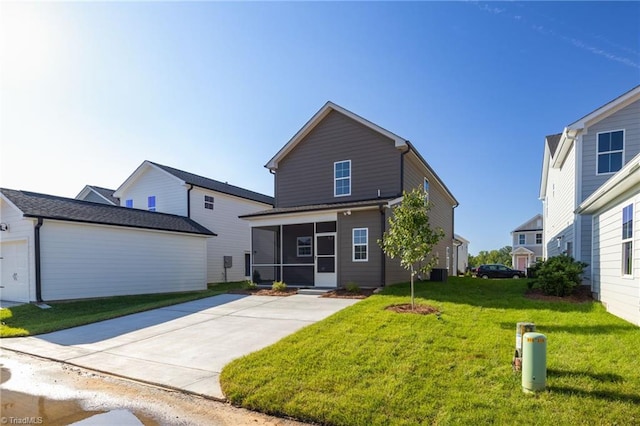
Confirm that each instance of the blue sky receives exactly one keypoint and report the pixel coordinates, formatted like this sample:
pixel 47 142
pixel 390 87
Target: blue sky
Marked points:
pixel 90 90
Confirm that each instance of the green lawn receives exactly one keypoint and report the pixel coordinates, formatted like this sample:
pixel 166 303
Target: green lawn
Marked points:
pixel 26 320
pixel 366 366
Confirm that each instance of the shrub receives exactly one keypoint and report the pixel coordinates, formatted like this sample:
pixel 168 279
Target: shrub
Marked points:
pixel 250 285
pixel 352 287
pixel 559 275
pixel 278 286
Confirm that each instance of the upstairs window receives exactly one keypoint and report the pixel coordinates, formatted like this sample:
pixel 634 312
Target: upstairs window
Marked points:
pixel 627 240
pixel 151 203
pixel 425 188
pixel 208 202
pixel 610 151
pixel 342 178
pixel 128 204
pixel 538 238
pixel 521 239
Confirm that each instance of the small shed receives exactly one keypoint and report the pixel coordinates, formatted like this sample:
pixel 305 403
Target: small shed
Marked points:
pixel 56 248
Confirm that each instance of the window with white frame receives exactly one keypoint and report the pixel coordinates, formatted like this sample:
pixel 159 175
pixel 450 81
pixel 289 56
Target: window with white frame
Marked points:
pixel 128 203
pixel 208 202
pixel 304 246
pixel 342 178
pixel 627 240
pixel 425 188
pixel 151 203
pixel 360 244
pixel 610 151
pixel 538 238
pixel 521 239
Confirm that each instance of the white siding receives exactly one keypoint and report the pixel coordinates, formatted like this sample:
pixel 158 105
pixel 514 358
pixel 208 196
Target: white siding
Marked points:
pixel 170 193
pixel 234 234
pixel 560 204
pixel 83 261
pixel 620 294
pixel 20 229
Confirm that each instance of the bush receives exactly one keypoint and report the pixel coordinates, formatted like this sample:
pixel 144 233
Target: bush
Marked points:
pixel 250 285
pixel 352 287
pixel 559 275
pixel 278 286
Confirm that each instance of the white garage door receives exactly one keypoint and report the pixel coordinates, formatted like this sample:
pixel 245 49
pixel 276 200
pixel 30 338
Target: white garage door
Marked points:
pixel 14 271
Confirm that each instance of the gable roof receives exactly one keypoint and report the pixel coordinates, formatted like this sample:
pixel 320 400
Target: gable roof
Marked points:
pixel 105 193
pixel 555 153
pixel 399 142
pixel 36 205
pixel 200 181
pixel 316 119
pixel 552 142
pixel 530 225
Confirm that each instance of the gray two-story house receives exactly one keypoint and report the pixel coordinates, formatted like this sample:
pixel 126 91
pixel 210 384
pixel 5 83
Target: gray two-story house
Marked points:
pixel 580 166
pixel 335 183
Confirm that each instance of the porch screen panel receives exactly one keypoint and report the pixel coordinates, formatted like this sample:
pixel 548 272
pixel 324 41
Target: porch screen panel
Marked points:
pixel 265 274
pixel 297 244
pixel 298 275
pixel 266 245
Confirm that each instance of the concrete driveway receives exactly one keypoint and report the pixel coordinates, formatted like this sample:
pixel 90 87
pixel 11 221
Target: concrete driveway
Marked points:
pixel 182 346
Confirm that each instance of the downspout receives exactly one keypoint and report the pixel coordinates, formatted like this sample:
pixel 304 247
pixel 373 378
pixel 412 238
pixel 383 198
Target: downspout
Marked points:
pixel 275 188
pixel 383 269
pixel 37 227
pixel 189 200
pixel 402 168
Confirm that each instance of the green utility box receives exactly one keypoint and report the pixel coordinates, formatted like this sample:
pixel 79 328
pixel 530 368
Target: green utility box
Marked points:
pixel 534 362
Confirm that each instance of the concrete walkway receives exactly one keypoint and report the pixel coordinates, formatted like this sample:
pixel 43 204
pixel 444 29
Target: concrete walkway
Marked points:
pixel 182 346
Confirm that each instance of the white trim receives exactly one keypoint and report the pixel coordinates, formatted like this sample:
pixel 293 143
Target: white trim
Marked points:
pixel 606 110
pixel 353 245
pixel 293 218
pixel 598 152
pixel 335 179
pixel 316 119
pixel 625 179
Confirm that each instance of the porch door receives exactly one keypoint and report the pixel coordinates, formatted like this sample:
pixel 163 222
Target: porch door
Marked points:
pixel 325 261
pixel 522 263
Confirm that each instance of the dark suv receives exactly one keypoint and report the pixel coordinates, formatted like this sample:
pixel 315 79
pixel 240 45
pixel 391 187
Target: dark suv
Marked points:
pixel 498 271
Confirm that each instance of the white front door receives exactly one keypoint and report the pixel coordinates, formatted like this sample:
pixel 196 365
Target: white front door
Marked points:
pixel 325 262
pixel 14 275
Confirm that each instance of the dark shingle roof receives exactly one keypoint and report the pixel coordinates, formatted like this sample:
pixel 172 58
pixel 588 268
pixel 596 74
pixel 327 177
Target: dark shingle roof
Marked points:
pixel 553 141
pixel 318 207
pixel 106 193
pixel 215 185
pixel 33 204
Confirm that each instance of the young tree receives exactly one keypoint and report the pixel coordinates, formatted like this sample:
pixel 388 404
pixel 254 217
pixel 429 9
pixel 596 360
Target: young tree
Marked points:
pixel 409 237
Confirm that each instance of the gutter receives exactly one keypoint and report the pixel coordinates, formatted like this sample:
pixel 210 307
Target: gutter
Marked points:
pixel 38 260
pixel 383 269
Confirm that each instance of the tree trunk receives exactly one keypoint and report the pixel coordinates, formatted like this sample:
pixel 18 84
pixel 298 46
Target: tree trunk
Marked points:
pixel 413 306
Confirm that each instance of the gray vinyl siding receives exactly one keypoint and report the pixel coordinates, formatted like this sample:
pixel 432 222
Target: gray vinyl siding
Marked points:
pixel 627 119
pixel 95 198
pixel 441 213
pixel 305 175
pixel 365 274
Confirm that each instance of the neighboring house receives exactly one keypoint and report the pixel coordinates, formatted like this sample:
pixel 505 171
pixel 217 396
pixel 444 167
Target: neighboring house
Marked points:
pixel 335 182
pixel 97 194
pixel 577 162
pixel 615 271
pixel 56 248
pixel 527 243
pixel 213 204
pixel 460 254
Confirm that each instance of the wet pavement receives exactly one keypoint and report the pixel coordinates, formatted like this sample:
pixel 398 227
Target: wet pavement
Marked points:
pixel 37 391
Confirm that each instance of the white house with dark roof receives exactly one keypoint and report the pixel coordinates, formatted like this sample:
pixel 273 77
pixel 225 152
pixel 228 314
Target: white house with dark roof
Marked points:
pixel 98 194
pixel 580 164
pixel 56 248
pixel 526 243
pixel 213 204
